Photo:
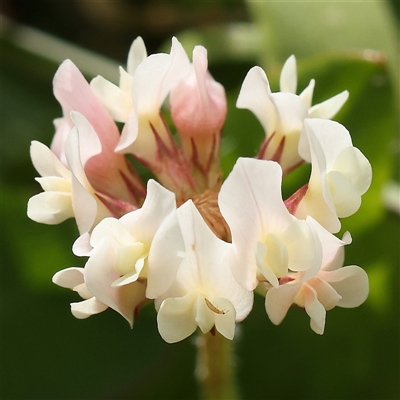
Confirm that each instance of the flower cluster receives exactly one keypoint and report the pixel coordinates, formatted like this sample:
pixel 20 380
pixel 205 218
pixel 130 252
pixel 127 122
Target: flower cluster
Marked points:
pixel 198 245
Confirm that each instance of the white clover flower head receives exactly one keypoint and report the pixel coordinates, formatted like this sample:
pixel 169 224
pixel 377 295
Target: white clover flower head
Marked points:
pixel 196 246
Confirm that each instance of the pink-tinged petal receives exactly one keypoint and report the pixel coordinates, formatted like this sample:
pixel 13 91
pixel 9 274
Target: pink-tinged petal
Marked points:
pixel 278 301
pixel 73 92
pixel 255 95
pixel 50 207
pixel 307 94
pixel 85 309
pixel 46 162
pixel 314 309
pixel 62 128
pixel 175 319
pixel 117 102
pixel 83 203
pixel 81 246
pixel 99 276
pixel 327 295
pixel 328 108
pixel 349 282
pixel 69 277
pixel 89 142
pixel 198 102
pixel 73 278
pixel 288 77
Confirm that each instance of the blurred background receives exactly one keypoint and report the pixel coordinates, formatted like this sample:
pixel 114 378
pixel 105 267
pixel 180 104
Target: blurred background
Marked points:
pixel 48 354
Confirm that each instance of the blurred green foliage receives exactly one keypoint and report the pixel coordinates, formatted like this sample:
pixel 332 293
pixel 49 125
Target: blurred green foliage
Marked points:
pixel 48 354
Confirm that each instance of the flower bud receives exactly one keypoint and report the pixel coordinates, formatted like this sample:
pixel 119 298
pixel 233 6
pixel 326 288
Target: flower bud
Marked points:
pixel 198 109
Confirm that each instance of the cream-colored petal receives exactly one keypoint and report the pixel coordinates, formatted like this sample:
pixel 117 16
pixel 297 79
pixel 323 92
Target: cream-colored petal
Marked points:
pixel 175 318
pixel 328 108
pixel 288 77
pixel 50 207
pixel 351 283
pixel 117 102
pixel 345 198
pixel 85 309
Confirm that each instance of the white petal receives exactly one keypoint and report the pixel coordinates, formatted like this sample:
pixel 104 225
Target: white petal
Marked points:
pixel 288 77
pixel 46 162
pixel 330 107
pixel 255 95
pixel 346 200
pixel 55 184
pixel 137 53
pixel 203 315
pixel 307 94
pixel 83 203
pixel 175 319
pixel 355 167
pixel 314 309
pixel 291 112
pixel 225 322
pixel 250 200
pixel 69 277
pixel 351 283
pixel 117 102
pixel 81 246
pixel 303 248
pixel 327 295
pixel 158 204
pixel 165 257
pixel 50 207
pixel 86 308
pixel 278 301
pixel 99 276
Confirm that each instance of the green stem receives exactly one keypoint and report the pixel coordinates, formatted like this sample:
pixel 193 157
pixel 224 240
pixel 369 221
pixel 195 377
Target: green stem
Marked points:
pixel 215 368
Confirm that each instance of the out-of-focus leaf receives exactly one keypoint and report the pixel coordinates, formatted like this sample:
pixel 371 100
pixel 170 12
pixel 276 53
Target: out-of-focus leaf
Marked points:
pixel 308 28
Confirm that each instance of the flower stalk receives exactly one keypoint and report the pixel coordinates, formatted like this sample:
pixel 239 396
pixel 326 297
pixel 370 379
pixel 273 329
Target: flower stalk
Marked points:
pixel 215 367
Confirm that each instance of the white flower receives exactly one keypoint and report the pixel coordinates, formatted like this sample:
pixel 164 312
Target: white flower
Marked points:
pixel 267 240
pixel 128 239
pixel 340 173
pixel 204 293
pixel 115 273
pixel 282 113
pixel 320 289
pixel 152 81
pixel 73 278
pixel 118 99
pixel 67 191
